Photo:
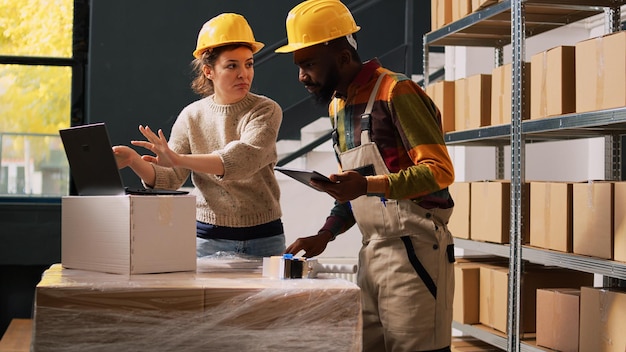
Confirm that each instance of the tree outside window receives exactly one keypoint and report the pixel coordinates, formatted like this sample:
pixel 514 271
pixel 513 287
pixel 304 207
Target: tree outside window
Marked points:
pixel 35 96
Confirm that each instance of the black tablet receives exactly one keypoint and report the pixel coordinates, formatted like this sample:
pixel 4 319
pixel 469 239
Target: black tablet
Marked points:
pixel 302 175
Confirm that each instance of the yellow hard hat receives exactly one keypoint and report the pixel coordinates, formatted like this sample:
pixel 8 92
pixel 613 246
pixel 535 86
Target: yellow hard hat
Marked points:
pixel 227 28
pixel 317 21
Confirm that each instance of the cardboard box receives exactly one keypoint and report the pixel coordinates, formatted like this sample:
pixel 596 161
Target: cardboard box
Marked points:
pixel 203 311
pixel 494 289
pixel 465 309
pixel 459 223
pixel 501 83
pixel 466 293
pixel 558 313
pixel 472 102
pixel 480 4
pixel 619 242
pixel 460 9
pixel 493 295
pixel 604 87
pixel 614 53
pixel 470 344
pixel 593 219
pixel 490 211
pixel 441 11
pixel 553 82
pixel 551 215
pixel 602 319
pixel 129 234
pixel 442 94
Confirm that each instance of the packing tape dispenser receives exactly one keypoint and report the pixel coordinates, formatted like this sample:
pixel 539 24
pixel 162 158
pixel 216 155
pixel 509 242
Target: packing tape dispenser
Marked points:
pixel 289 267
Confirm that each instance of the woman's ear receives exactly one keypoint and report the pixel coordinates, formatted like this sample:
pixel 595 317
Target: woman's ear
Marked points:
pixel 208 73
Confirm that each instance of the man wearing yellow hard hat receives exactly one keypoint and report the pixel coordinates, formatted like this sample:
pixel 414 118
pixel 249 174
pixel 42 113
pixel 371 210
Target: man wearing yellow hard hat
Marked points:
pixel 226 141
pixel 393 183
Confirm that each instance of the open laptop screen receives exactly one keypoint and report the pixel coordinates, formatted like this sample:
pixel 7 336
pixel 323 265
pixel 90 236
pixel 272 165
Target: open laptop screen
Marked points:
pixel 92 163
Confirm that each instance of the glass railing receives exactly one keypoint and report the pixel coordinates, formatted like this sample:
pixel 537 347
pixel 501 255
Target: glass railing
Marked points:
pixel 32 165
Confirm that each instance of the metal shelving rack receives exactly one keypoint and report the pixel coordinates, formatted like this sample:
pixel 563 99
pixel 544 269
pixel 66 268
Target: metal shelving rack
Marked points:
pixel 511 22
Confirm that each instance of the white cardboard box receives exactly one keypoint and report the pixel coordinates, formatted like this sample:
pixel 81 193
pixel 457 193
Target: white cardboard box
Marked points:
pixel 129 234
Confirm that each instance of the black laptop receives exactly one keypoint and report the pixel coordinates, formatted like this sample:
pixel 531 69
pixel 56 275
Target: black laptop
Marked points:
pixel 92 163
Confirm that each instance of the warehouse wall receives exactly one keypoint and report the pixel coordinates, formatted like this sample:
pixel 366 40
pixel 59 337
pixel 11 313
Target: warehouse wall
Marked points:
pixel 139 58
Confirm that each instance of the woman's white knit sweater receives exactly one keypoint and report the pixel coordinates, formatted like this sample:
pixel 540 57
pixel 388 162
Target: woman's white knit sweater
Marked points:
pixel 244 136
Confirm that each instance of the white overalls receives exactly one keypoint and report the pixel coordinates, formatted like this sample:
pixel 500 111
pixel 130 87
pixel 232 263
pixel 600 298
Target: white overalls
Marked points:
pixel 405 271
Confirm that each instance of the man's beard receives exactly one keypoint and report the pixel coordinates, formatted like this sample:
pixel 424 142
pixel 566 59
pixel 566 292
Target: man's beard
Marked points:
pixel 327 91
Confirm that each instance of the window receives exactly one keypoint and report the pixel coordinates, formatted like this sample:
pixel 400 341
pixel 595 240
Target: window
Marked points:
pixel 36 69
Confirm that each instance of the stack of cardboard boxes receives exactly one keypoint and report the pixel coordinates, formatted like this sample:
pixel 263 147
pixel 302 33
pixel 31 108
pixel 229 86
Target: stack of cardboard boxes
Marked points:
pixel 444 12
pixel 589 76
pixel 583 218
pixel 560 308
pixel 481 291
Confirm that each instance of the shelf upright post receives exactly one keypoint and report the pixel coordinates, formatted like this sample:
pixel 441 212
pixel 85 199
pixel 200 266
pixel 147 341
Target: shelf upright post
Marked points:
pixel 612 157
pixel 518 34
pixel 613 143
pixel 499 61
pixel 612 20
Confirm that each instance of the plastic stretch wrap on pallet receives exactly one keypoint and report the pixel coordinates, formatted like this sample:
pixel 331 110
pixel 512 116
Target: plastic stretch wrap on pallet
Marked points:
pixel 219 307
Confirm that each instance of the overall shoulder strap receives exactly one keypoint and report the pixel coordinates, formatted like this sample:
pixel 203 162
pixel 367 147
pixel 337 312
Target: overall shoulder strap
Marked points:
pixel 366 123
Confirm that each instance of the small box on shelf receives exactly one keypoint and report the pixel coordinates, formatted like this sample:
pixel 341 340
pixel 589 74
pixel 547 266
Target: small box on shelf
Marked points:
pixel 593 218
pixel 466 305
pixel 551 215
pixel 472 97
pixel 460 9
pixel 602 319
pixel 553 82
pixel 558 312
pixel 442 94
pixel 441 13
pixel 490 211
pixel 604 86
pixel 501 83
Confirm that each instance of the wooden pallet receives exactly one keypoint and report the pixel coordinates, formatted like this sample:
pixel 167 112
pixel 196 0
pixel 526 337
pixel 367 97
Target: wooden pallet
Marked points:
pixel 17 337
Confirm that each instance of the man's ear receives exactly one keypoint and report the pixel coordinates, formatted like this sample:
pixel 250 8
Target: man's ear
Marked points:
pixel 344 57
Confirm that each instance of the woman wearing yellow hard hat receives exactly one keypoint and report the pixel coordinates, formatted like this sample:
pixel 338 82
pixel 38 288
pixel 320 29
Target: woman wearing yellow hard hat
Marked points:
pixel 226 141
